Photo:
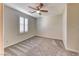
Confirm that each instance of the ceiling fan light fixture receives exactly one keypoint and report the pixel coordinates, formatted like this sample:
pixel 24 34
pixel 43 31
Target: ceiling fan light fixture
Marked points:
pixel 37 11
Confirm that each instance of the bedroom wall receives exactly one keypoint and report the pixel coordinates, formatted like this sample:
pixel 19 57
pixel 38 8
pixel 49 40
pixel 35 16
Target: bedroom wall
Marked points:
pixel 72 27
pixel 50 27
pixel 1 30
pixel 11 27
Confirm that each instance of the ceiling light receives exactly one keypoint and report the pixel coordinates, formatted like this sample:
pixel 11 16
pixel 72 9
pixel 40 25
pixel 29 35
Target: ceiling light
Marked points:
pixel 38 11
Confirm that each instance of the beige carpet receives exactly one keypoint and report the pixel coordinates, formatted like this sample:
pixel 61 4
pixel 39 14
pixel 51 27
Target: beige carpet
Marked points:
pixel 39 46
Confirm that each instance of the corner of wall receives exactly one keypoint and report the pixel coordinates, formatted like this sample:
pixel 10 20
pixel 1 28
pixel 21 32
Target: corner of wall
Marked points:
pixel 73 50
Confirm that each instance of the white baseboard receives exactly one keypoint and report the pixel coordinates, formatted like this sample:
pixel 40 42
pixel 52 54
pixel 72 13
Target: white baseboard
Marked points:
pixel 69 49
pixel 49 37
pixel 20 41
pixel 73 50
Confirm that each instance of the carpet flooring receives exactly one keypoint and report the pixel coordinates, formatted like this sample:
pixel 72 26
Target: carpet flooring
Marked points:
pixel 39 46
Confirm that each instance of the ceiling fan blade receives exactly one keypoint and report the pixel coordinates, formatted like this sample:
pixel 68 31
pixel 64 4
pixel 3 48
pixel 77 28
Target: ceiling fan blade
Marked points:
pixel 32 7
pixel 41 5
pixel 44 10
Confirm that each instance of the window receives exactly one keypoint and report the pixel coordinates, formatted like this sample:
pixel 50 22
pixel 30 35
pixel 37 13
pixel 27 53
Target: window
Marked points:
pixel 26 24
pixel 23 24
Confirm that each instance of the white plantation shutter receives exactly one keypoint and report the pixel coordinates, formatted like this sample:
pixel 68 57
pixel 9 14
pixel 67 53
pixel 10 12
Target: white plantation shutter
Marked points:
pixel 23 24
pixel 26 25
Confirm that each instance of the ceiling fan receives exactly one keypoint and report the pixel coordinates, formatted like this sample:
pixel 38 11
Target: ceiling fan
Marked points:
pixel 38 9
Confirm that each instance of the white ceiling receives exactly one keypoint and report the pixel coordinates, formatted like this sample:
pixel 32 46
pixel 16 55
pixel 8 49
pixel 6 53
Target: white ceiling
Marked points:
pixel 53 8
